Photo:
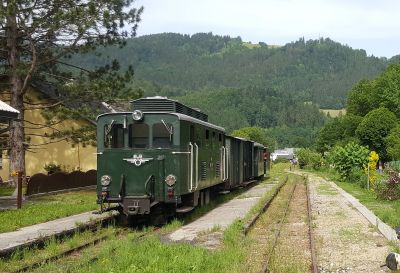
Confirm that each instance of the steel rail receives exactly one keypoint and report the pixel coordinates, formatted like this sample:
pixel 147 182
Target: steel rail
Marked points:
pixel 314 267
pixel 253 220
pixel 79 248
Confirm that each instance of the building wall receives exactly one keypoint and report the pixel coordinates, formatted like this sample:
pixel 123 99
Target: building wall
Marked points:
pixel 70 156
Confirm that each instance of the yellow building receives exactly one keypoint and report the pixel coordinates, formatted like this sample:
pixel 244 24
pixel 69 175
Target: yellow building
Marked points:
pixel 59 151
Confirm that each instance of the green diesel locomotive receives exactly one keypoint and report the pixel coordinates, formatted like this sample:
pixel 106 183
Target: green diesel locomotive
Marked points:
pixel 164 157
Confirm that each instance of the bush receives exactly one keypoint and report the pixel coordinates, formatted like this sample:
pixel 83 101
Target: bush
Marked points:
pixel 389 189
pixel 52 168
pixel 308 158
pixel 348 159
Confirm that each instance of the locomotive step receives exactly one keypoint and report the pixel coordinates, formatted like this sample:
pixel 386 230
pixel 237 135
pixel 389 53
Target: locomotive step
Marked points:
pixel 184 209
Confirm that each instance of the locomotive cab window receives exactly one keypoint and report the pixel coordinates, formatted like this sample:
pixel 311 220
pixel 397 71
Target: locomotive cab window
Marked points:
pixel 114 135
pixel 162 135
pixel 139 135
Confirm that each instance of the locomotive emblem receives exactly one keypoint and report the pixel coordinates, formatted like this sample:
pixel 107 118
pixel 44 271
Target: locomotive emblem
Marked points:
pixel 137 160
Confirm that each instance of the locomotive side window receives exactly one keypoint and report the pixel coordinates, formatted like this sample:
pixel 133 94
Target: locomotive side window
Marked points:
pixel 139 135
pixel 114 136
pixel 162 135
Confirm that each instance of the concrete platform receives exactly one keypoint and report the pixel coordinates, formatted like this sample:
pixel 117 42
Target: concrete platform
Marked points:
pixel 221 216
pixel 386 230
pixel 10 241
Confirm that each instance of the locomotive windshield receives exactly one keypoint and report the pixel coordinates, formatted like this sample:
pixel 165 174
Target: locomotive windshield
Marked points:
pixel 114 135
pixel 162 135
pixel 139 135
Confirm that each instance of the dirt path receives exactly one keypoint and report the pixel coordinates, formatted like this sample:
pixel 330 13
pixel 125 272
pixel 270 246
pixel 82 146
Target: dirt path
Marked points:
pixel 346 241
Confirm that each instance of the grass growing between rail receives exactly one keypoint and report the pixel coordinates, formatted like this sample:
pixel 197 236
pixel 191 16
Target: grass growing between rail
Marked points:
pixel 46 208
pixel 25 257
pixel 151 254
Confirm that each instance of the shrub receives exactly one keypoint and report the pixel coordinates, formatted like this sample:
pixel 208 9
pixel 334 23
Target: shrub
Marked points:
pixel 52 168
pixel 390 190
pixel 348 158
pixel 308 158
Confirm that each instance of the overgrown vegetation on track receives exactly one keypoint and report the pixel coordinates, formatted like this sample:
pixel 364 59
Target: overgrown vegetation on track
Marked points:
pixel 151 254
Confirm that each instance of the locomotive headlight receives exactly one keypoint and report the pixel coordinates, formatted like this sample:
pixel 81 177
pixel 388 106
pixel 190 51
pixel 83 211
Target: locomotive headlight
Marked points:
pixel 170 180
pixel 137 115
pixel 105 180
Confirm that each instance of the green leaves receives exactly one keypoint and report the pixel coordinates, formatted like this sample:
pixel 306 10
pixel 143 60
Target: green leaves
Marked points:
pixel 374 127
pixel 347 158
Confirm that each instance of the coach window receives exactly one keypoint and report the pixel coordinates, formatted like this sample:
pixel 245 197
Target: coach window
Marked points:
pixel 114 135
pixel 139 135
pixel 162 135
pixel 207 134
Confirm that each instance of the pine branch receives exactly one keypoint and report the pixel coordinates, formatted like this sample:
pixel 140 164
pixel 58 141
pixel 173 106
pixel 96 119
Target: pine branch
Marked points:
pixel 44 106
pixel 46 143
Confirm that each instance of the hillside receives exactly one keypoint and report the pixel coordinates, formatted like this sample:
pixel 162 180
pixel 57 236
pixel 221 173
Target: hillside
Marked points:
pixel 240 85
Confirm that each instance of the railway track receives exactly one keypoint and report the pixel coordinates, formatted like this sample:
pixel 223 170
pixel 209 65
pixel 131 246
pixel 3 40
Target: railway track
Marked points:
pixel 287 230
pixel 79 248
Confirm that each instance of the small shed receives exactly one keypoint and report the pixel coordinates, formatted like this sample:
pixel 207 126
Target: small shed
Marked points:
pixel 7 113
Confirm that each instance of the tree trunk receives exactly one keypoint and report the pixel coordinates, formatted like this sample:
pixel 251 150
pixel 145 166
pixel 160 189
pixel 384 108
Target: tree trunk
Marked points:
pixel 17 134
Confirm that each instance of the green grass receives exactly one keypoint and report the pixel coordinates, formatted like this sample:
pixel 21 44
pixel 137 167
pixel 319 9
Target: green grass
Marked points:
pixel 26 257
pixel 150 254
pixel 6 191
pixel 387 211
pixel 46 208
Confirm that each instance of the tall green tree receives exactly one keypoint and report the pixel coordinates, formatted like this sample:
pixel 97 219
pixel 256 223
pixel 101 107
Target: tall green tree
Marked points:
pixel 374 127
pixel 37 37
pixel 392 142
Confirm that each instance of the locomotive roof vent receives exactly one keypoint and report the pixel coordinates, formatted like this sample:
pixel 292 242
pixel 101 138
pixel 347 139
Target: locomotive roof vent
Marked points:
pixel 165 105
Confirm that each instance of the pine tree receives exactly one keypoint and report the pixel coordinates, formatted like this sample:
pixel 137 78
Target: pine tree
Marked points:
pixel 36 39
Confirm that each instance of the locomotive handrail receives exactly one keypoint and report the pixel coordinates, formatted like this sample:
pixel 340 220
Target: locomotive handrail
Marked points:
pixel 177 153
pixel 222 155
pixel 197 166
pixel 226 164
pixel 191 166
pixel 146 184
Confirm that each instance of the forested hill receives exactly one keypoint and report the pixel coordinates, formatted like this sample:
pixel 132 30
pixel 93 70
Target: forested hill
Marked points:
pixel 241 84
pixel 321 71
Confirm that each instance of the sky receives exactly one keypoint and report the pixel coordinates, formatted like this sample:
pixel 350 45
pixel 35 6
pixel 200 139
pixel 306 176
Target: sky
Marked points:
pixel 371 25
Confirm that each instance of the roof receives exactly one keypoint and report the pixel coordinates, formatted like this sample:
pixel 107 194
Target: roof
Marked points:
pixel 7 112
pixel 180 117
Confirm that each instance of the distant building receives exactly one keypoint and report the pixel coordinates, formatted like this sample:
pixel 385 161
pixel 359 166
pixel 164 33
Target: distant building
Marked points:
pixel 287 153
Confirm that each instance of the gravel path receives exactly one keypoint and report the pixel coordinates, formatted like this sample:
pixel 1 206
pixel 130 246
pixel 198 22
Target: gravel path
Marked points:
pixel 346 241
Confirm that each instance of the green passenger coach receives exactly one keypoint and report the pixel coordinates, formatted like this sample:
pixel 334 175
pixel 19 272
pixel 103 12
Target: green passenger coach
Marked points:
pixel 164 157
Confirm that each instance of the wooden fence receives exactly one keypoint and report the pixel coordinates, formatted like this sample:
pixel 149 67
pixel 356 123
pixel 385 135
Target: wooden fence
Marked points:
pixel 43 183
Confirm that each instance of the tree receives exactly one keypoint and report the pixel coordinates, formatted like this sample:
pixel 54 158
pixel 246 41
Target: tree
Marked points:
pixel 256 134
pixel 361 98
pixel 36 39
pixel 374 127
pixel 392 142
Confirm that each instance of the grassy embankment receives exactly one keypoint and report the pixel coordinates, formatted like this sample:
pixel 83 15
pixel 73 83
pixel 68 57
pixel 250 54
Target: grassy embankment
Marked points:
pixel 6 191
pixel 387 211
pixel 150 254
pixel 46 208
